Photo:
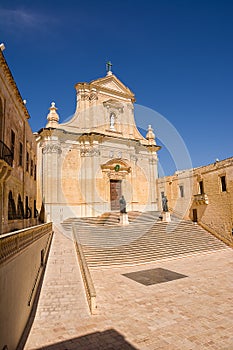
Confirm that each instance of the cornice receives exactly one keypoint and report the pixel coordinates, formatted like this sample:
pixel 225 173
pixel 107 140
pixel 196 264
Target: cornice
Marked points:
pixel 96 136
pixel 12 83
pixel 153 148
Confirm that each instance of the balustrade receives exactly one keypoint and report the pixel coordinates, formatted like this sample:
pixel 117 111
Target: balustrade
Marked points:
pixel 11 243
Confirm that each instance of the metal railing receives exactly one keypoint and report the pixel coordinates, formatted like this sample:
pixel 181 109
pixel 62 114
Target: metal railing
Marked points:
pixel 6 154
pixel 11 243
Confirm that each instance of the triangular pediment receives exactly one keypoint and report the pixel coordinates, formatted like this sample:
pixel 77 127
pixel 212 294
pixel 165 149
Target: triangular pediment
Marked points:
pixel 113 84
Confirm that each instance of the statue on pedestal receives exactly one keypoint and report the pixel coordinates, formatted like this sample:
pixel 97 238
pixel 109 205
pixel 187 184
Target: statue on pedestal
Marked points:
pixel 123 214
pixel 166 217
pixel 164 203
pixel 122 205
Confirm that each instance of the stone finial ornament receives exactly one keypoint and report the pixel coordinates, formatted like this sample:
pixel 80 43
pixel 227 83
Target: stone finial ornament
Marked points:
pixel 2 47
pixel 150 136
pixel 52 117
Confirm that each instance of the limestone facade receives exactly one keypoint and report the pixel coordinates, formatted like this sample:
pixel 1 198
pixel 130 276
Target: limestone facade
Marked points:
pixel 87 163
pixel 204 195
pixel 17 157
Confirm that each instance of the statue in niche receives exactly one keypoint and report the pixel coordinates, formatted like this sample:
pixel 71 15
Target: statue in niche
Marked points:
pixel 112 121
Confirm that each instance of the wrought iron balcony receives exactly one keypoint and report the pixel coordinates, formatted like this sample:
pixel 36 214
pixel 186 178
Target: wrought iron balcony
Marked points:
pixel 201 198
pixel 6 154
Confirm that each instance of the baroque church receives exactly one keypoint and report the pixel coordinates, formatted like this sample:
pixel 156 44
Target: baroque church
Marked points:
pixel 86 164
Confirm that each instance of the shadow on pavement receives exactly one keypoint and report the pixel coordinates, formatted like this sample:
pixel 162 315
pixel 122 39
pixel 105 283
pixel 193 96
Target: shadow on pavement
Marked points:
pixel 106 340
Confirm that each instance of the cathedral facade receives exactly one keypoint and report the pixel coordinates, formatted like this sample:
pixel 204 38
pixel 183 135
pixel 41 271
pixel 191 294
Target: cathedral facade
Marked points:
pixel 86 164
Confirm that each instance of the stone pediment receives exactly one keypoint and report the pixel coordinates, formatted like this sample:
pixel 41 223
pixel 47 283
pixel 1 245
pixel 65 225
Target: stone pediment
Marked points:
pixel 112 84
pixel 117 165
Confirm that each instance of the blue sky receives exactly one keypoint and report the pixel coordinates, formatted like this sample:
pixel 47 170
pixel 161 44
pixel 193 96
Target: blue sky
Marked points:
pixel 175 55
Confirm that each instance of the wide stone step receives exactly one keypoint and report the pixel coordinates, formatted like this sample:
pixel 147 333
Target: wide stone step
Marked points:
pixel 141 243
pixel 143 250
pixel 111 219
pixel 143 260
pixel 109 260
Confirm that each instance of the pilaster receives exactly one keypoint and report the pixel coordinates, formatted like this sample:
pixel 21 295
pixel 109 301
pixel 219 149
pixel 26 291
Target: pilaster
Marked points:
pixel 51 174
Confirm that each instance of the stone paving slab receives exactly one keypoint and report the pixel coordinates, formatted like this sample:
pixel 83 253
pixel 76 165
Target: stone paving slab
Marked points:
pixel 190 313
pixel 62 295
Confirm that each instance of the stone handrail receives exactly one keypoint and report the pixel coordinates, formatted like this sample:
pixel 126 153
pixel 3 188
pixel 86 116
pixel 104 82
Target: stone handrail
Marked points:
pixel 87 280
pixel 13 242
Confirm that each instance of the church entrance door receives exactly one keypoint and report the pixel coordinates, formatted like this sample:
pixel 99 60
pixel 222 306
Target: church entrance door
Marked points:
pixel 115 194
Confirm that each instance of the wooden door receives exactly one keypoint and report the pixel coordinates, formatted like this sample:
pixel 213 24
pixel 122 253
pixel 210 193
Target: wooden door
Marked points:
pixel 115 194
pixel 194 215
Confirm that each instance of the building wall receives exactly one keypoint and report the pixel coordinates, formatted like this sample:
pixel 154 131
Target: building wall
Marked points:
pixel 17 180
pixel 213 208
pixel 170 186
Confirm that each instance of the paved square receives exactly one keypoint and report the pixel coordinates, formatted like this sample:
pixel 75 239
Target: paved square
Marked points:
pixel 194 313
pixel 154 276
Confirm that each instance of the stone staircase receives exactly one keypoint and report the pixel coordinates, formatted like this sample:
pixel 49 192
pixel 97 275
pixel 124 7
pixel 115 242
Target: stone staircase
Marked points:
pixel 146 239
pixel 111 218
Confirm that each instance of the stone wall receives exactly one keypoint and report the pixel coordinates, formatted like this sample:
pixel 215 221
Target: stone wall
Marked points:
pixel 75 180
pixel 205 198
pixel 22 262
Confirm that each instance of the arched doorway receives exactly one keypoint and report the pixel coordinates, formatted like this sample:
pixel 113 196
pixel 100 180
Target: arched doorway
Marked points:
pixel 116 170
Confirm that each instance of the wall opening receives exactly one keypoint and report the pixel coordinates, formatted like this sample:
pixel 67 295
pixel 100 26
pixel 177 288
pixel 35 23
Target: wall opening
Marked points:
pixel 223 183
pixel 194 215
pixel 201 187
pixel 42 258
pixel 115 194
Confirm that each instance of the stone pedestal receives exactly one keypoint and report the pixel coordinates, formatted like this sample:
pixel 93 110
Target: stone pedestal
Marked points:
pixel 124 219
pixel 166 216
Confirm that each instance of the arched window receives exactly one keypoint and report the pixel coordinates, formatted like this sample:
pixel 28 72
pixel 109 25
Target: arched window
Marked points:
pixel 28 211
pixel 20 211
pixel 11 207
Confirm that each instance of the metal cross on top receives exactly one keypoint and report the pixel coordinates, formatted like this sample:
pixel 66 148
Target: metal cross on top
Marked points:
pixel 109 66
